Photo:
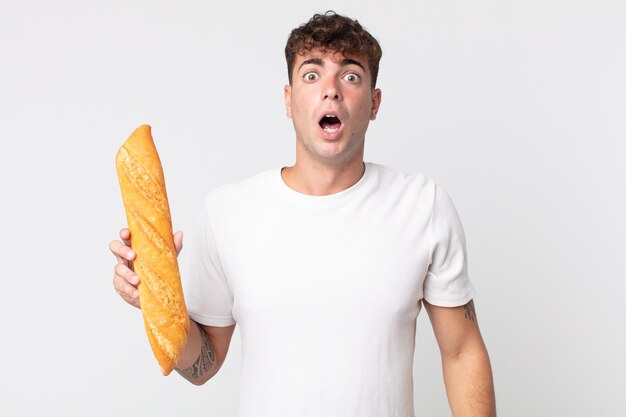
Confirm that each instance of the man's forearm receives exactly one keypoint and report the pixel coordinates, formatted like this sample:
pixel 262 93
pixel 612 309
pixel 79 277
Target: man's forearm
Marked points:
pixel 469 384
pixel 198 362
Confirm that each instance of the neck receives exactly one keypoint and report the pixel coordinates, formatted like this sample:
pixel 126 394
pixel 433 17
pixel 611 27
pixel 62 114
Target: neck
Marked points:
pixel 323 179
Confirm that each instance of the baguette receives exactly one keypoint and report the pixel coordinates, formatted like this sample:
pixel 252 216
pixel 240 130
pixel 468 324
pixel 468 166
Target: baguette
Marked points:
pixel 147 210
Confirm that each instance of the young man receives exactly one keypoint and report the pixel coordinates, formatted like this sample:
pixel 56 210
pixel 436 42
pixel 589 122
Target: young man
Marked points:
pixel 325 265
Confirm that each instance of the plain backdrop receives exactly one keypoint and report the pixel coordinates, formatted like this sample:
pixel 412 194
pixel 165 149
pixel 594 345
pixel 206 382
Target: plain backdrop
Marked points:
pixel 517 108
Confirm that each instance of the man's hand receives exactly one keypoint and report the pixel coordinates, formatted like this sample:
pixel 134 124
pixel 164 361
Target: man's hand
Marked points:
pixel 125 281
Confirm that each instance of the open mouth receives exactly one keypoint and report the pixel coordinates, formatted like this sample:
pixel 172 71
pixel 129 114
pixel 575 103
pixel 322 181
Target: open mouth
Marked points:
pixel 330 123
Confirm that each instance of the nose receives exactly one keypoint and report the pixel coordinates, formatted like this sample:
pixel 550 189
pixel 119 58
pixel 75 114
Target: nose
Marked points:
pixel 331 90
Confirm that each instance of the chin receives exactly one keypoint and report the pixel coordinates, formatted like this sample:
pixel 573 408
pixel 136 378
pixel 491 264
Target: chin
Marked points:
pixel 339 155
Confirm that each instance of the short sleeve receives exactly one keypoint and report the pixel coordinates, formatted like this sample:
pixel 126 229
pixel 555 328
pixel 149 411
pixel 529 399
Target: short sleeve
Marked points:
pixel 207 294
pixel 447 282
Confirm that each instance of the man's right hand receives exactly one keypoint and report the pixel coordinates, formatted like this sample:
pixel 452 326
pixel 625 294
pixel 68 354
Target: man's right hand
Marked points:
pixel 206 347
pixel 125 281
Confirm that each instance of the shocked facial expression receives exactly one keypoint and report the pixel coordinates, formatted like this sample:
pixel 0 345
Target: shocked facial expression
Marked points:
pixel 331 102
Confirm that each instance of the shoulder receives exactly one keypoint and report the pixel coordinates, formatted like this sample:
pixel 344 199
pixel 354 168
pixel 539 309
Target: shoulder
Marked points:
pixel 241 191
pixel 396 177
pixel 414 185
pixel 412 190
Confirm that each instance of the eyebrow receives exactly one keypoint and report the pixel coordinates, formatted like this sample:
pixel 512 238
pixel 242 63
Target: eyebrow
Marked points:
pixel 344 62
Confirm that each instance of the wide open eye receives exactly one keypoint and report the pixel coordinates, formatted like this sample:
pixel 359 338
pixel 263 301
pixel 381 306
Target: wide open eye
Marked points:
pixel 352 77
pixel 310 76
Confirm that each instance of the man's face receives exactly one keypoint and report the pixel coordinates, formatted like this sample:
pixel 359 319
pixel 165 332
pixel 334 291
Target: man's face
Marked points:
pixel 331 102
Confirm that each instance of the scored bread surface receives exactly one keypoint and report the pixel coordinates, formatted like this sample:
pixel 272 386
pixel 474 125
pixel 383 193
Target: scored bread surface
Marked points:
pixel 147 210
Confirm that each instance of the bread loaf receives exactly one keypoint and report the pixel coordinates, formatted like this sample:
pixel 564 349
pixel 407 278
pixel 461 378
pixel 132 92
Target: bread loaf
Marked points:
pixel 147 210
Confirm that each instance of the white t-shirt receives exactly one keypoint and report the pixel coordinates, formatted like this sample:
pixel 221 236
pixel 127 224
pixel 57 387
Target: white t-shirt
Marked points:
pixel 326 289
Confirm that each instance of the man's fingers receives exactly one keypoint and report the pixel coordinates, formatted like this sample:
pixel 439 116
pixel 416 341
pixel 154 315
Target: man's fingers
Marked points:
pixel 125 280
pixel 126 274
pixel 178 241
pixel 125 236
pixel 121 251
pixel 115 248
pixel 128 292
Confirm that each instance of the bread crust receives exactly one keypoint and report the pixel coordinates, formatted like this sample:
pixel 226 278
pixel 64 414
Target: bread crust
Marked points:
pixel 161 297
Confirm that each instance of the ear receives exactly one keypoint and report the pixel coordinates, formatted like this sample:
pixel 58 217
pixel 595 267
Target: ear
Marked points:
pixel 288 100
pixel 376 97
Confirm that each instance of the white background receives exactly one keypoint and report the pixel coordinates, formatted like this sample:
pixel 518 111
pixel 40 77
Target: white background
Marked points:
pixel 517 108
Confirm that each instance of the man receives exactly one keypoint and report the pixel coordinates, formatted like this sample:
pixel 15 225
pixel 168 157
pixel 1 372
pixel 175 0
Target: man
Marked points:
pixel 325 265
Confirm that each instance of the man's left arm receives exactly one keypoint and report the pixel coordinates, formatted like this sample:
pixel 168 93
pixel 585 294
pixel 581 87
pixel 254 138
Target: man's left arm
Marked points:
pixel 466 367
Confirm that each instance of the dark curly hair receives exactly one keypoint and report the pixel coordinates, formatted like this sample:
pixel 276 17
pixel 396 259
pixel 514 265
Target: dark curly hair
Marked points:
pixel 331 32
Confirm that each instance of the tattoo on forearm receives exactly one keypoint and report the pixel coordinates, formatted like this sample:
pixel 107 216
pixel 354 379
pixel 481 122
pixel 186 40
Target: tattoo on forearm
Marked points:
pixel 205 361
pixel 470 312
